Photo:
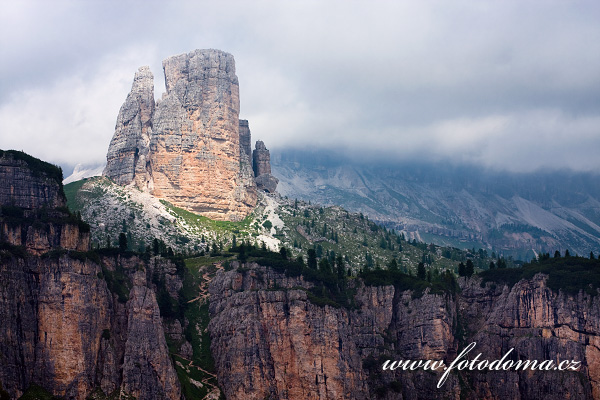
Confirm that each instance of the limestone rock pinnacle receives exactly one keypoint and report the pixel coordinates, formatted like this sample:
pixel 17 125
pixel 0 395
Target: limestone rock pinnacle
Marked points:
pixel 129 146
pixel 245 139
pixel 188 148
pixel 262 168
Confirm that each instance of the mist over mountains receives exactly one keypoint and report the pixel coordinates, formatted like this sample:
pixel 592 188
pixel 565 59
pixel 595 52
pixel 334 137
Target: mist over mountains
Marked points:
pixel 517 214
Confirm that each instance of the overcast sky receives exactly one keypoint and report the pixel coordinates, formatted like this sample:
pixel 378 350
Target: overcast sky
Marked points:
pixel 511 85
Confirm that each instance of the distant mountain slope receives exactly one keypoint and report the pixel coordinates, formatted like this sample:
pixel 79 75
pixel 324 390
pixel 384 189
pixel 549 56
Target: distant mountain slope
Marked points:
pixel 82 171
pixel 517 214
pixel 111 209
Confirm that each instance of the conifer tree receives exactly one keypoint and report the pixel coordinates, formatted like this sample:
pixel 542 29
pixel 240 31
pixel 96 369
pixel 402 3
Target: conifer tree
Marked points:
pixel 122 241
pixel 312 259
pixel 462 269
pixel 421 271
pixel 470 269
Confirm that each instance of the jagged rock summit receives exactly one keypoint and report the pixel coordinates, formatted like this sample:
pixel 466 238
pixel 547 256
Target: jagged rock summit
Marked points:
pixel 261 163
pixel 189 148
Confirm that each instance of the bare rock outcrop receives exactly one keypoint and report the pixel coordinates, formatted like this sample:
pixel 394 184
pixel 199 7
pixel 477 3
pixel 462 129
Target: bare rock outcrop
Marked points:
pixel 540 325
pixel 29 183
pixel 270 340
pixel 74 321
pixel 261 163
pixel 195 148
pixel 128 149
pixel 191 148
pixel 245 139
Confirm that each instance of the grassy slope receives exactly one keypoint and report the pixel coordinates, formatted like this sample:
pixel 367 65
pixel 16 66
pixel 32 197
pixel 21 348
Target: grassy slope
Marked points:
pixel 332 229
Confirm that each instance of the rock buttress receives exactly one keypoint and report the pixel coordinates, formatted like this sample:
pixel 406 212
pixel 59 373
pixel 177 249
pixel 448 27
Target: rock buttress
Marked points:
pixel 190 148
pixel 270 341
pixel 72 321
pixel 261 163
pixel 128 150
pixel 195 148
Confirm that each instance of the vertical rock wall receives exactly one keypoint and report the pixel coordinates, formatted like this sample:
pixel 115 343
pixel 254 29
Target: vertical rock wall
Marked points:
pixel 28 183
pixel 261 163
pixel 187 149
pixel 270 341
pixel 64 326
pixel 128 149
pixel 245 139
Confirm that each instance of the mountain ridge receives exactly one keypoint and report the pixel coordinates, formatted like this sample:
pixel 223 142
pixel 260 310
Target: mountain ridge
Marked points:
pixel 517 214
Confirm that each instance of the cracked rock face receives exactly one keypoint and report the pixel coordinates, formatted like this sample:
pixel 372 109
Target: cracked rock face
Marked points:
pixel 187 149
pixel 62 326
pixel 245 139
pixel 261 162
pixel 270 341
pixel 126 157
pixel 21 188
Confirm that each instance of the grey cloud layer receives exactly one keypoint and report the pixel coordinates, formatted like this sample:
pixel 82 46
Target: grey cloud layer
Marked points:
pixel 511 85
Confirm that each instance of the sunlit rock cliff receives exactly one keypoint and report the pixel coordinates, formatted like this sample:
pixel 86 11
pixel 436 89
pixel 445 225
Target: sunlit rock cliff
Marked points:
pixel 189 148
pixel 74 321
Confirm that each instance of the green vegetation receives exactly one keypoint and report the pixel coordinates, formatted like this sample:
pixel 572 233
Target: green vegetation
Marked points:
pixel 8 251
pixel 330 286
pixel 98 394
pixel 366 245
pixel 118 282
pixel 3 393
pixel 569 274
pixel 42 217
pixel 71 190
pixel 299 226
pixel 443 283
pixel 191 309
pixel 36 392
pixel 210 224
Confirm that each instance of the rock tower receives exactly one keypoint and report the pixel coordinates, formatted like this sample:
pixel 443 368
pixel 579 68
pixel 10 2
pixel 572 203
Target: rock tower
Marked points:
pixel 261 163
pixel 189 148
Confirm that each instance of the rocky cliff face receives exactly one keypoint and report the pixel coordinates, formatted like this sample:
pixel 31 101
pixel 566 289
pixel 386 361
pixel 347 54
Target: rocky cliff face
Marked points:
pixel 195 148
pixel 270 341
pixel 261 162
pixel 73 321
pixel 450 205
pixel 29 183
pixel 540 325
pixel 126 158
pixel 245 139
pixel 191 148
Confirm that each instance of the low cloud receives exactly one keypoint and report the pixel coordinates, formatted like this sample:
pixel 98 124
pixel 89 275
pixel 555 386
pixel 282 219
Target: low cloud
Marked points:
pixel 507 85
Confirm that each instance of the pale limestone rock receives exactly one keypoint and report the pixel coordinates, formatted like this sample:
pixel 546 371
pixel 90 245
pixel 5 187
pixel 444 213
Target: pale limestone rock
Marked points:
pixel 187 149
pixel 270 340
pixel 261 159
pixel 128 149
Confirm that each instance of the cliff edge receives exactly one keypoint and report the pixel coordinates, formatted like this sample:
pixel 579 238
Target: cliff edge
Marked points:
pixel 75 322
